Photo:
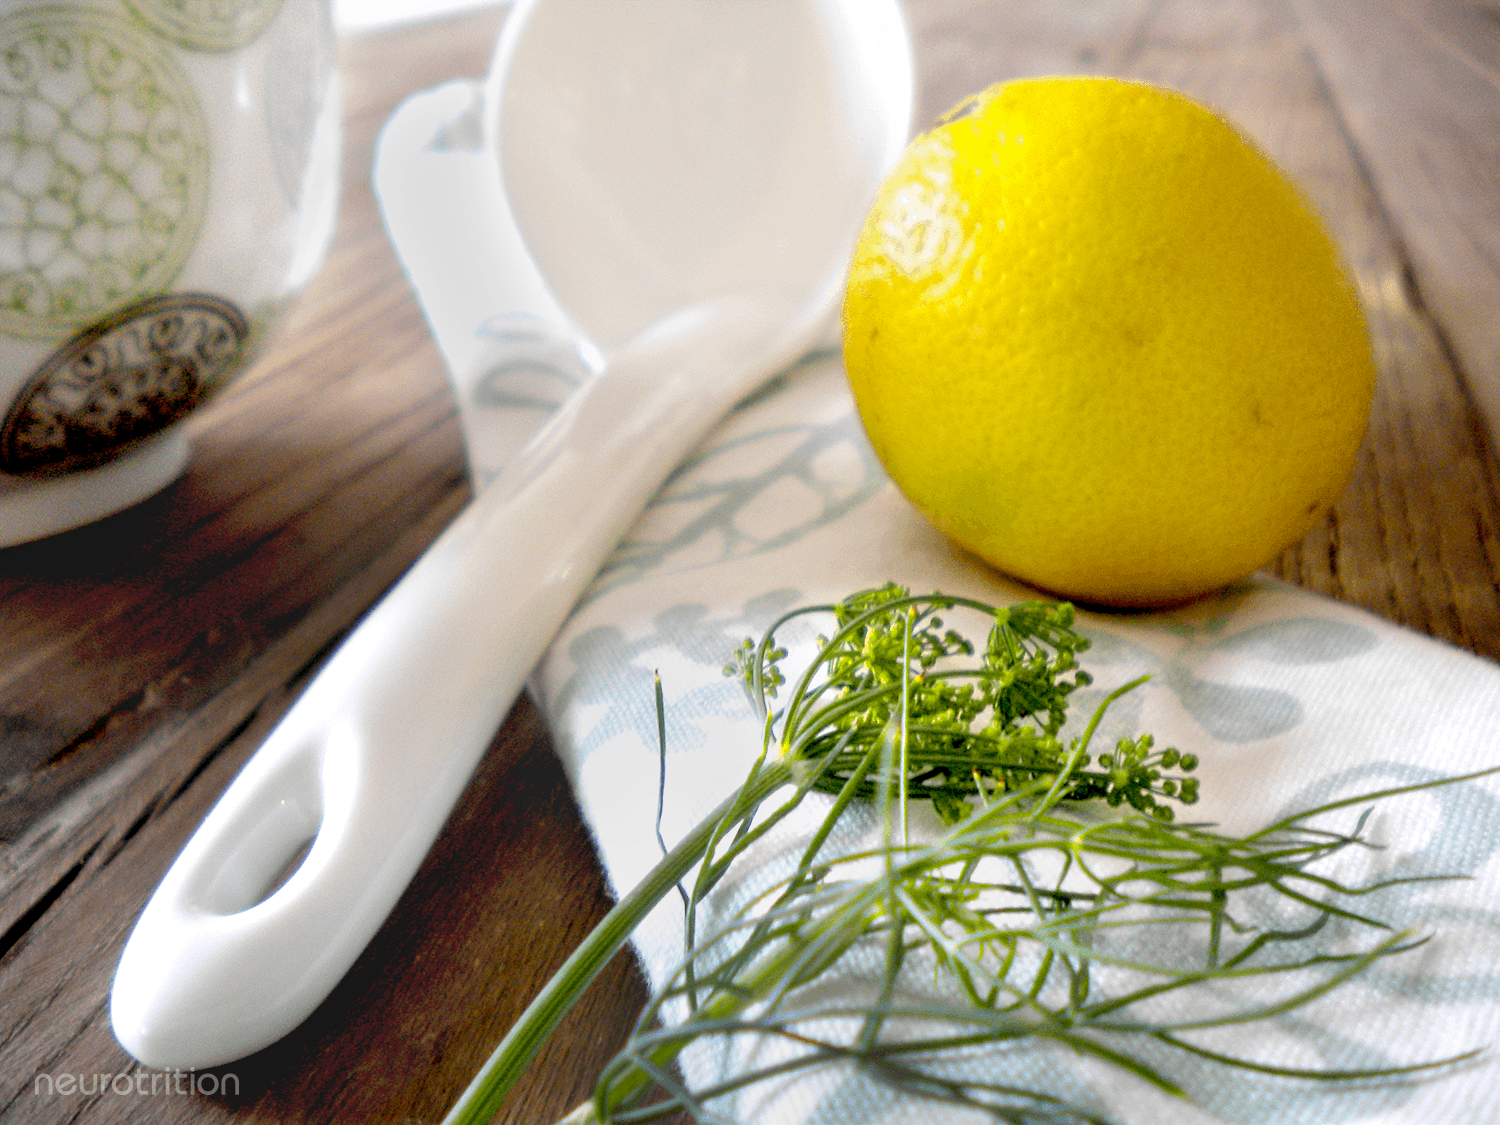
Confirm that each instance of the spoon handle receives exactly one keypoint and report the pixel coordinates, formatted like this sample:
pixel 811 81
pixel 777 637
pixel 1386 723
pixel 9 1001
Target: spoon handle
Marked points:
pixel 370 760
pixel 451 225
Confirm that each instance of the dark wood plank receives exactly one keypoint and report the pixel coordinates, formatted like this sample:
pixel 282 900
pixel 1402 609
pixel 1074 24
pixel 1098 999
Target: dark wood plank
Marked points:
pixel 511 887
pixel 1426 241
pixel 967 45
pixel 1418 84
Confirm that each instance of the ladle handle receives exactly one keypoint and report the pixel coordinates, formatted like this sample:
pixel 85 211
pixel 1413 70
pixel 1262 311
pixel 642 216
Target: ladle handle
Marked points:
pixel 370 760
pixel 451 225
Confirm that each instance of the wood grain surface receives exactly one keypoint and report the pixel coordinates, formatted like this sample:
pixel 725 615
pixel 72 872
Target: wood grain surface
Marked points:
pixel 143 658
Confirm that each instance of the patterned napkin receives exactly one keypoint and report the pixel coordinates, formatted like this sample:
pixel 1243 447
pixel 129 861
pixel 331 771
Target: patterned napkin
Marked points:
pixel 1289 700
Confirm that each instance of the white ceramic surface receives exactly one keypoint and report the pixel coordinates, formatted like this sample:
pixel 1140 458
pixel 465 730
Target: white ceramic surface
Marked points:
pixel 173 188
pixel 368 762
pixel 505 340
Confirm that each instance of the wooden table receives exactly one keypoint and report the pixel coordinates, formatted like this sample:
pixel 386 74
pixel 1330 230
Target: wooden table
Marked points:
pixel 143 659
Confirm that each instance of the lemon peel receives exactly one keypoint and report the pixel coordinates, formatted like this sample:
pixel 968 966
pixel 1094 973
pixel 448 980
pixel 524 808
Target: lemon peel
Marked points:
pixel 1103 342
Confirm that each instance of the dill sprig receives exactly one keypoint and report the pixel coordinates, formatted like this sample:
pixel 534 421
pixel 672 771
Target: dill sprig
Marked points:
pixel 1061 904
pixel 970 731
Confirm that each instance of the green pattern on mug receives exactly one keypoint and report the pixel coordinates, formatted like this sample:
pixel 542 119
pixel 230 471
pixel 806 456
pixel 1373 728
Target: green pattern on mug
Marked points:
pixel 104 169
pixel 207 25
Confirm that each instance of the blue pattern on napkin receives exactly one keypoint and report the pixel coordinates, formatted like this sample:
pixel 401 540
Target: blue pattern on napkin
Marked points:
pixel 706 515
pixel 615 673
pixel 1236 713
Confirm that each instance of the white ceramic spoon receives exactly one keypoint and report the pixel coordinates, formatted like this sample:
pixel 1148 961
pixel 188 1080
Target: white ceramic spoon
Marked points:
pixel 508 346
pixel 690 176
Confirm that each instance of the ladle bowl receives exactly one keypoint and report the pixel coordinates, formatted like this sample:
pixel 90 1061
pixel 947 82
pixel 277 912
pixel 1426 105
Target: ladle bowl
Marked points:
pixel 640 188
pixel 690 177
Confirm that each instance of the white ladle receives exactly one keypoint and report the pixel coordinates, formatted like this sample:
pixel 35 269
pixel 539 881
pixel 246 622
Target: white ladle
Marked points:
pixel 690 177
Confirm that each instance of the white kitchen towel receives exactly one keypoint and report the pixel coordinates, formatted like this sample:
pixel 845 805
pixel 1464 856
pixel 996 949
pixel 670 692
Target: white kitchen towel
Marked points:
pixel 1289 700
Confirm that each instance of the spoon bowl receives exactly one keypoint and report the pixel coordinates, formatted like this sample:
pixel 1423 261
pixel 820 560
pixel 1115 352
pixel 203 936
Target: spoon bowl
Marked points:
pixel 709 254
pixel 728 151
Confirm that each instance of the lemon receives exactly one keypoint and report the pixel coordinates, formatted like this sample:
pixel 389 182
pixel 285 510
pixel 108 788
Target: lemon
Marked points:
pixel 1103 342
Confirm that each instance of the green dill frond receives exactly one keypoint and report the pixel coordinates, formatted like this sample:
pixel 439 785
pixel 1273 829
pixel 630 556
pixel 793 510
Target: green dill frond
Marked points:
pixel 1061 906
pixel 972 729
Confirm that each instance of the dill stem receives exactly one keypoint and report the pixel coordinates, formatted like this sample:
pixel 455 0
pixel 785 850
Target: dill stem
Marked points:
pixel 771 974
pixel 481 1101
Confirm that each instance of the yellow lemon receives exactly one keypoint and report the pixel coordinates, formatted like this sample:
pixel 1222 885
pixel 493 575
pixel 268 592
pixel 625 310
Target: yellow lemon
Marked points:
pixel 1103 342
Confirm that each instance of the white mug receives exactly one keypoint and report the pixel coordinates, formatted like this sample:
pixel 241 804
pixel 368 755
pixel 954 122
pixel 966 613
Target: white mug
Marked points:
pixel 169 176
